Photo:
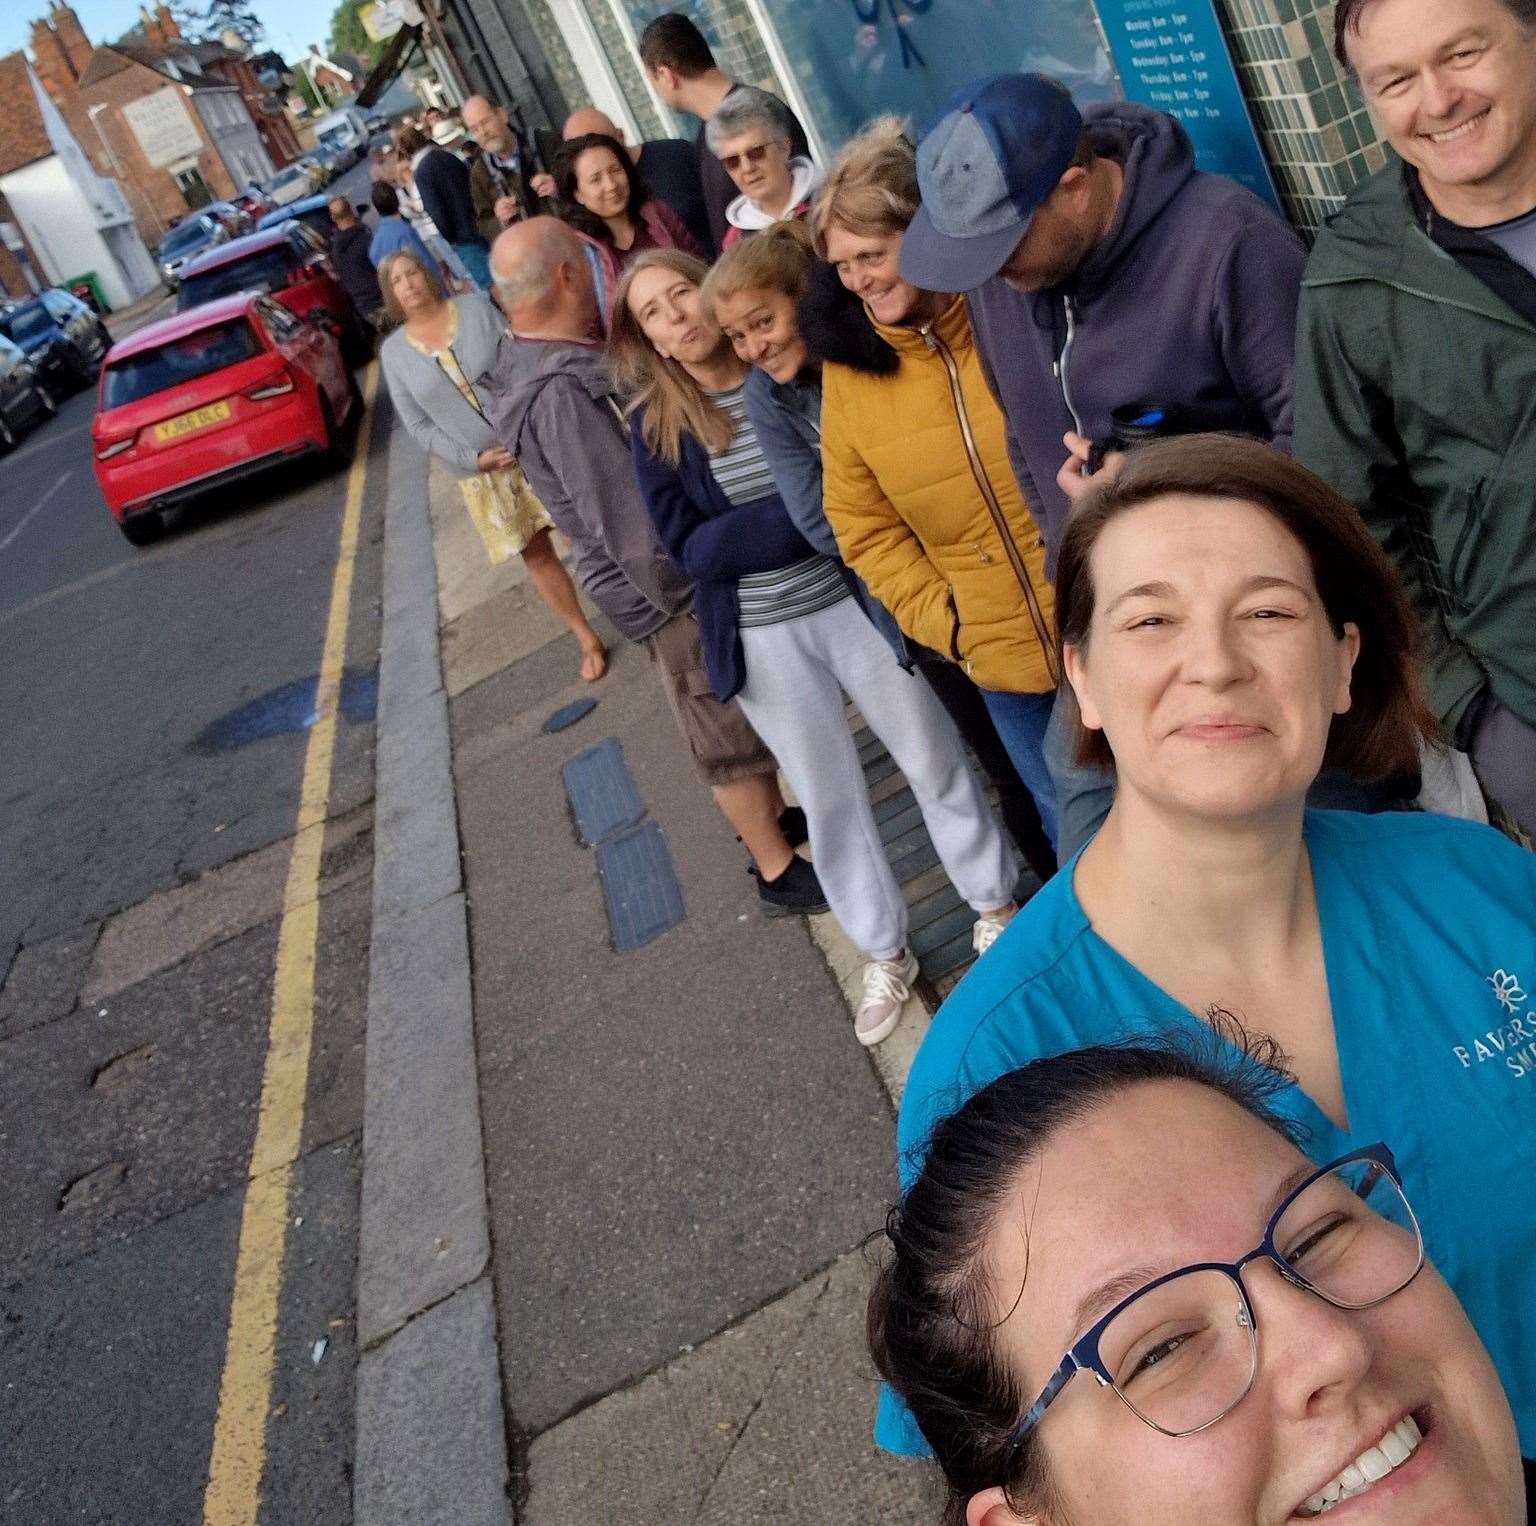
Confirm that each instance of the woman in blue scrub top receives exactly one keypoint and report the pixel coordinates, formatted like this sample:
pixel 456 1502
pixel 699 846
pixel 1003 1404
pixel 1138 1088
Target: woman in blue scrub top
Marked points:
pixel 1229 629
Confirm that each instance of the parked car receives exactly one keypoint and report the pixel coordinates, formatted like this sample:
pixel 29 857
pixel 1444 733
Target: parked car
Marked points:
pixel 62 338
pixel 190 236
pixel 197 401
pixel 312 211
pixel 316 168
pixel 290 262
pixel 291 183
pixel 24 399
pixel 253 202
pixel 376 121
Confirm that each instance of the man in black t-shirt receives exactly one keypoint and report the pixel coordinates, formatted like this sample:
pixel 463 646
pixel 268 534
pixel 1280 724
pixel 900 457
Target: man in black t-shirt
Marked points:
pixel 679 63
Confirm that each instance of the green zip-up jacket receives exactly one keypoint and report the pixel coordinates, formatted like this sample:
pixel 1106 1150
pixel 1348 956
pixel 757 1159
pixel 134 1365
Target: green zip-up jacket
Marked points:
pixel 1416 398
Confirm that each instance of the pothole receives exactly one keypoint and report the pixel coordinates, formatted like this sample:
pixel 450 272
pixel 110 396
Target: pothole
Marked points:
pixel 92 1189
pixel 123 1069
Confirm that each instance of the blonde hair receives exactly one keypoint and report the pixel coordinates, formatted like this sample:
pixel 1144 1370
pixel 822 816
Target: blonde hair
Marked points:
pixel 871 189
pixel 386 272
pixel 673 402
pixel 779 259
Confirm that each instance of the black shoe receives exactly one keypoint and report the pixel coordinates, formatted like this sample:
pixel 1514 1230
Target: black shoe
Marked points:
pixel 792 824
pixel 795 893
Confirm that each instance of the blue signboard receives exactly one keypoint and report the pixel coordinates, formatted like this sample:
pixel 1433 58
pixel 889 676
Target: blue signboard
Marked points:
pixel 1172 54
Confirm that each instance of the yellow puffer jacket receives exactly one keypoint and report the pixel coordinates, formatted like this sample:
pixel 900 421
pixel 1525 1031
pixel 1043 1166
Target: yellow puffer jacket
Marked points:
pixel 920 494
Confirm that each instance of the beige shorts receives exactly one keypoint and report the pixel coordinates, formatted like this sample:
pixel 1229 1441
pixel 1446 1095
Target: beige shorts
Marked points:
pixel 723 744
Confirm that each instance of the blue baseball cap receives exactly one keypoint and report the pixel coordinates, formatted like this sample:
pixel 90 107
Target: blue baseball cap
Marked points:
pixel 994 153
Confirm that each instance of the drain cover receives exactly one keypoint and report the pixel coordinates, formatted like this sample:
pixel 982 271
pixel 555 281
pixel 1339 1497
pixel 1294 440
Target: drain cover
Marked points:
pixel 640 887
pixel 602 793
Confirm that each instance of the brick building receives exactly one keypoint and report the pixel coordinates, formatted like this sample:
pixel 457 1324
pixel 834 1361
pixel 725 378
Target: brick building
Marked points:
pixel 151 113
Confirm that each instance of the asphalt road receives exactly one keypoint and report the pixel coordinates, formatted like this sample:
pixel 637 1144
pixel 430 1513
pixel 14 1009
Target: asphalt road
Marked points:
pixel 156 708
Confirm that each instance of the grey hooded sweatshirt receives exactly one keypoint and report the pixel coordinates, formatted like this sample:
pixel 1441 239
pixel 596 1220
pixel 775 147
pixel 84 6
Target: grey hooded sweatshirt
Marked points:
pixel 556 410
pixel 1189 300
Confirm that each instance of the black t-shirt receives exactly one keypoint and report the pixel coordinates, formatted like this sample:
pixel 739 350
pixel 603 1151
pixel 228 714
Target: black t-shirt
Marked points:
pixel 719 189
pixel 349 254
pixel 669 170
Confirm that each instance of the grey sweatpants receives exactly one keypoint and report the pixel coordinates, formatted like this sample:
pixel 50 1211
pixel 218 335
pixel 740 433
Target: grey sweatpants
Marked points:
pixel 797 674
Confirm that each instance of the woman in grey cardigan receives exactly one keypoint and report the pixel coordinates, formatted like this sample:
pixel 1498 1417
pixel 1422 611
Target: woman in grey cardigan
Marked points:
pixel 438 363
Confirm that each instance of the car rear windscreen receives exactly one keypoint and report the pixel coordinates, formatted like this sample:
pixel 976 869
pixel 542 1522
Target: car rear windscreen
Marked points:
pixel 265 270
pixel 141 375
pixel 184 237
pixel 29 323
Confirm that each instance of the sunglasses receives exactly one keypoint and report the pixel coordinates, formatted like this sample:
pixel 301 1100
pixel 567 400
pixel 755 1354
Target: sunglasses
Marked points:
pixel 754 155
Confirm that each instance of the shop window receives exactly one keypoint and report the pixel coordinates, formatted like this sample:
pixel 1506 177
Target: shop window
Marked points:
pixel 194 188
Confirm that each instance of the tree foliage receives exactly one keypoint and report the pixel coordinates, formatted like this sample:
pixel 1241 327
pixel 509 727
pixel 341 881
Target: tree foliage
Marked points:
pixel 216 16
pixel 348 35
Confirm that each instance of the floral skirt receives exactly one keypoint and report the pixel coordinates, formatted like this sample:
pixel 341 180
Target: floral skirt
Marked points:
pixel 506 511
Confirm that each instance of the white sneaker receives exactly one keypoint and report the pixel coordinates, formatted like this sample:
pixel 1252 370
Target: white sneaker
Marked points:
pixel 887 985
pixel 989 928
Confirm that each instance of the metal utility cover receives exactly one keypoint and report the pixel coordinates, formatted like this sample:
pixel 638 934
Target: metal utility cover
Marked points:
pixel 640 887
pixel 602 793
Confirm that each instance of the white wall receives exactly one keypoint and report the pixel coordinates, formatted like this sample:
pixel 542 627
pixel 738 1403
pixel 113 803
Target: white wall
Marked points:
pixel 62 227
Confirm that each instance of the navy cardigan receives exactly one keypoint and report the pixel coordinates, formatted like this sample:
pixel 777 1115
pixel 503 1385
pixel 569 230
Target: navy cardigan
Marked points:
pixel 715 542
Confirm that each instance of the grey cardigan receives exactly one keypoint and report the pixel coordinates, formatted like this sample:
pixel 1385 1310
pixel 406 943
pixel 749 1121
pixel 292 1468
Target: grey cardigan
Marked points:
pixel 433 410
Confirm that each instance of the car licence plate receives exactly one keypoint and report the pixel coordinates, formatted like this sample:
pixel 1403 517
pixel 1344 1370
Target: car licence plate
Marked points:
pixel 190 423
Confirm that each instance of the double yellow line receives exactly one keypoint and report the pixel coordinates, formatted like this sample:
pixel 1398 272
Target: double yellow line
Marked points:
pixel 238 1459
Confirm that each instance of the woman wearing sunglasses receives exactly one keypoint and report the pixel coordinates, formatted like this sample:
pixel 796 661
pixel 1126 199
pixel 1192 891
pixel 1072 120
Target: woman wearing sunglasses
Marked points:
pixel 1228 628
pixel 1119 1293
pixel 751 135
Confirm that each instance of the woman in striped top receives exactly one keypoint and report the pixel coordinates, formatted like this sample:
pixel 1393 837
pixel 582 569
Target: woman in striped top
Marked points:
pixel 783 635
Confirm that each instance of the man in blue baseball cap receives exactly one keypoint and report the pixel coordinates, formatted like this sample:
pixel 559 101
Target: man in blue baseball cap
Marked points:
pixel 1104 270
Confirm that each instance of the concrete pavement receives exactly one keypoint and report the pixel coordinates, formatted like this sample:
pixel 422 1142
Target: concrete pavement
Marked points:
pixel 683 1147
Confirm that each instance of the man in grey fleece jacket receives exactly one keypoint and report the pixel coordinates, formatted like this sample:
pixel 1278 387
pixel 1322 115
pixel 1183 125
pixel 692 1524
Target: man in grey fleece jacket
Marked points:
pixel 556 410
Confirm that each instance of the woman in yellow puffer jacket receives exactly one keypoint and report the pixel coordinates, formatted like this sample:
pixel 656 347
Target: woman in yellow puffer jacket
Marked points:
pixel 917 484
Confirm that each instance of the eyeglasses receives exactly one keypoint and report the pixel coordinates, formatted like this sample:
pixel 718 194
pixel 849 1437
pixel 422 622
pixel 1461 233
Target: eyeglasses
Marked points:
pixel 754 155
pixel 1183 1351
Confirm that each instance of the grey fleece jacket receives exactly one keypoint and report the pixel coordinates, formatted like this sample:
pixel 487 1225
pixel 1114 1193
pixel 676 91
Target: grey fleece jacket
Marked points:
pixel 555 408
pixel 1189 300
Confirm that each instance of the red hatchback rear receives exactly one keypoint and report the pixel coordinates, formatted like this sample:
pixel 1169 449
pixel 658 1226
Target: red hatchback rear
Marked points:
pixel 204 398
pixel 291 263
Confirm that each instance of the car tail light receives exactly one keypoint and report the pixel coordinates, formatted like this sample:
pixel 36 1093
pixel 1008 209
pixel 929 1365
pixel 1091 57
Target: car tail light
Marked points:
pixel 275 386
pixel 113 448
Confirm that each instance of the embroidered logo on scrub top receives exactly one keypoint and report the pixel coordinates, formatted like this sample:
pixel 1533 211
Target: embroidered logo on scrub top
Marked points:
pixel 1506 991
pixel 1513 1041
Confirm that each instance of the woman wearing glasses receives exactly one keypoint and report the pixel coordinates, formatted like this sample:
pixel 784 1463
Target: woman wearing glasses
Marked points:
pixel 751 134
pixel 1229 628
pixel 1119 1293
pixel 437 363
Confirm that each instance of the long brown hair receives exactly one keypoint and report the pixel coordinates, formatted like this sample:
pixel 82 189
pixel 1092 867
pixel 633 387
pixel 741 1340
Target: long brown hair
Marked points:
pixel 670 401
pixel 1380 733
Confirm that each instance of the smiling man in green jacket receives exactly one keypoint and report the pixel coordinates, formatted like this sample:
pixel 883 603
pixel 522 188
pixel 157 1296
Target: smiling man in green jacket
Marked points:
pixel 1416 365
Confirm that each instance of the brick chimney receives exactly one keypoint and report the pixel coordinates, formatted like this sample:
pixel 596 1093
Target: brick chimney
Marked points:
pixel 169 30
pixel 150 24
pixel 51 62
pixel 77 46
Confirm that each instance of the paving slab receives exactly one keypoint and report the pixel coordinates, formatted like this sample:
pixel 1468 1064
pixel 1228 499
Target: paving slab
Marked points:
pixel 769 1421
pixel 431 1443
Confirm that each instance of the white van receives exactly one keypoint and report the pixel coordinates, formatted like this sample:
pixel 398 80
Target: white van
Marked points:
pixel 344 131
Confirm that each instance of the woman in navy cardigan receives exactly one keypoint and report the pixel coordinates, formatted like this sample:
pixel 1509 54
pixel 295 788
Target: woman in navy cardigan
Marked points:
pixel 784 636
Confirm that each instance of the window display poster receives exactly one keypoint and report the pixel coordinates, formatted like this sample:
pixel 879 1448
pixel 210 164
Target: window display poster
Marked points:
pixel 1172 55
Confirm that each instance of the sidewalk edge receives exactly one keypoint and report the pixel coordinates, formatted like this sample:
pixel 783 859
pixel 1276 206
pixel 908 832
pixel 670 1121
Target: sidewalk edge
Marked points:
pixel 431 1443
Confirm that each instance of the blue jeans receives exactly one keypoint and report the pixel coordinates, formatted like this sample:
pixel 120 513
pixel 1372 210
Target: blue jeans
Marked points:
pixel 1021 721
pixel 476 259
pixel 1084 792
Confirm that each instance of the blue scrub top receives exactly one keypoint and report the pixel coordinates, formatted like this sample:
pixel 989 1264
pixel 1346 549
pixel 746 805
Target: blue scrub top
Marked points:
pixel 1429 939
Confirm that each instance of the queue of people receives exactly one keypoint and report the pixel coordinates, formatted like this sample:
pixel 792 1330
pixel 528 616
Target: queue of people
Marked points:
pixel 1027 435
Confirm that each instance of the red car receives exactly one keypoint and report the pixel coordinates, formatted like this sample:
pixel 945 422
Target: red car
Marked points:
pixel 196 401
pixel 291 262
